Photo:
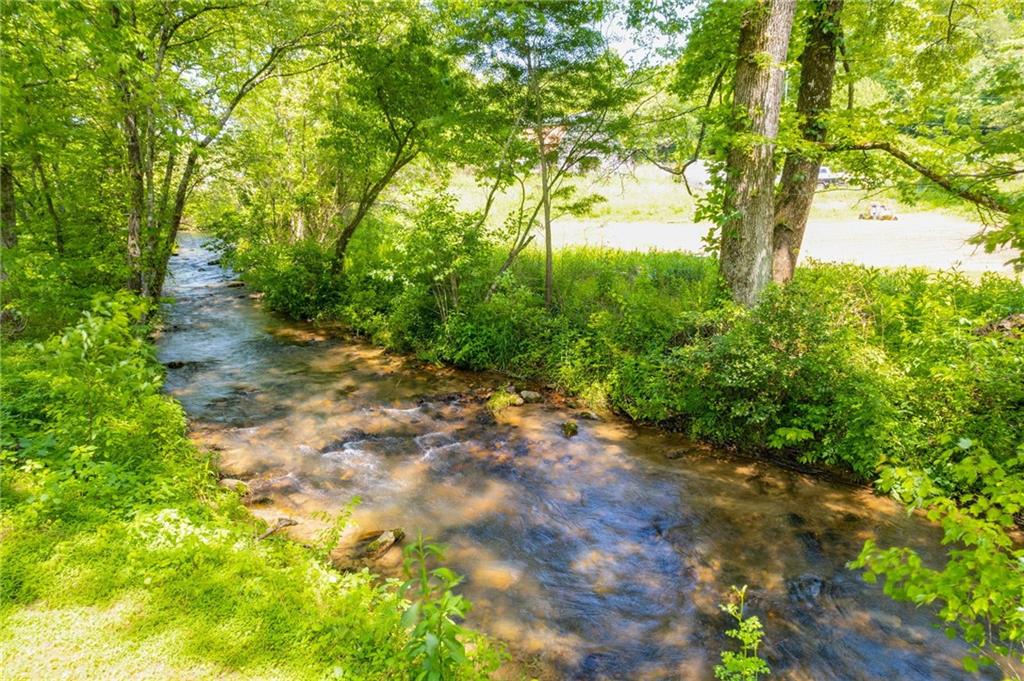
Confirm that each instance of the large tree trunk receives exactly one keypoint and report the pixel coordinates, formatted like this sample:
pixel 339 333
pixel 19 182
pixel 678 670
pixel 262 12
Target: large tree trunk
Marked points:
pixel 8 216
pixel 341 245
pixel 136 270
pixel 800 173
pixel 369 198
pixel 757 94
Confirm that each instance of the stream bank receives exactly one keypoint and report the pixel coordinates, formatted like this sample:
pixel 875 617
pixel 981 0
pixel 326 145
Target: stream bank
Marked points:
pixel 597 554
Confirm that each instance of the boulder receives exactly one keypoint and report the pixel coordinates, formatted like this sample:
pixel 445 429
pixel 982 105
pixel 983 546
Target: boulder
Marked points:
pixel 235 485
pixel 530 396
pixel 236 283
pixel 570 428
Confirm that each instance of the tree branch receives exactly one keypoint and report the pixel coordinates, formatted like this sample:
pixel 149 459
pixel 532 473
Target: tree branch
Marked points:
pixel 947 182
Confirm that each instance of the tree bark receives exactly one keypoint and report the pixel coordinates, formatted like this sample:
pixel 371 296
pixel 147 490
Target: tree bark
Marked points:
pixel 749 209
pixel 8 214
pixel 58 225
pixel 406 146
pixel 800 172
pixel 136 271
pixel 545 188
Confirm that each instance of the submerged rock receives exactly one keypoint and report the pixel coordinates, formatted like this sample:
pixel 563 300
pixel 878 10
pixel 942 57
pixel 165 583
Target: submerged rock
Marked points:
pixel 346 436
pixel 183 364
pixel 263 491
pixel 368 549
pixel 485 418
pixel 570 428
pixel 805 588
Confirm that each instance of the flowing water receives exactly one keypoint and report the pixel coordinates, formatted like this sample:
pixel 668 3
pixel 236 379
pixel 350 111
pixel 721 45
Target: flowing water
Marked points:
pixel 595 557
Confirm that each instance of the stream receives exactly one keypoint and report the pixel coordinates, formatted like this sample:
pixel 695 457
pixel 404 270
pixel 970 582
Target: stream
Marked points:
pixel 595 557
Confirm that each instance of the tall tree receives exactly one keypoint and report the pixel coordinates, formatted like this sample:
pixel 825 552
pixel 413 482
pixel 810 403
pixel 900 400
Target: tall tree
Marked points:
pixel 8 214
pixel 563 91
pixel 174 73
pixel 750 170
pixel 398 98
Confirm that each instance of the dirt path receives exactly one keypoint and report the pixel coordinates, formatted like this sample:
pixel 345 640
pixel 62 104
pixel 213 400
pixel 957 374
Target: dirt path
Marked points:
pixel 919 239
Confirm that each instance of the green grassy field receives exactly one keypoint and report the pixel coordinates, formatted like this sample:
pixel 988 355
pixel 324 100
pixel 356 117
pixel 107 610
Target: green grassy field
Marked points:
pixel 648 194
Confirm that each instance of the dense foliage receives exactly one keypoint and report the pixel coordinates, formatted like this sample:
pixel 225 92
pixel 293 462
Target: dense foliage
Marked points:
pixel 901 372
pixel 317 141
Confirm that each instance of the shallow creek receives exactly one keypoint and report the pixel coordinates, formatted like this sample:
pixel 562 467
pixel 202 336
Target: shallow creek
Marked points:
pixel 595 557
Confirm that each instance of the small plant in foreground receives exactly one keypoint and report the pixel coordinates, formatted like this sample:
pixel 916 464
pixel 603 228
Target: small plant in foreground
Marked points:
pixel 330 535
pixel 435 651
pixel 744 665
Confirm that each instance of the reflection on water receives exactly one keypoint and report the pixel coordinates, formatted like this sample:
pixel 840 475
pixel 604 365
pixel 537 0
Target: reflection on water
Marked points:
pixel 598 557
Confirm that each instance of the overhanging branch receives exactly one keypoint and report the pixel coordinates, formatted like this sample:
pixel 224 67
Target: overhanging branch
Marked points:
pixel 947 182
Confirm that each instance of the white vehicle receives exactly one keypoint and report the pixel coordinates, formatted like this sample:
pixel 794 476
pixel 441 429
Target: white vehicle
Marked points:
pixel 827 178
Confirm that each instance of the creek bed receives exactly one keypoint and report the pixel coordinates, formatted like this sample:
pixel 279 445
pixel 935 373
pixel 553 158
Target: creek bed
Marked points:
pixel 594 557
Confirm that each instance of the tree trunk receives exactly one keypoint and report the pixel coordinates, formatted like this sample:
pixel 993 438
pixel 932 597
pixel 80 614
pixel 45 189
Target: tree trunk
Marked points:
pixel 58 226
pixel 8 215
pixel 800 173
pixel 170 232
pixel 136 207
pixel 341 245
pixel 545 188
pixel 369 198
pixel 757 94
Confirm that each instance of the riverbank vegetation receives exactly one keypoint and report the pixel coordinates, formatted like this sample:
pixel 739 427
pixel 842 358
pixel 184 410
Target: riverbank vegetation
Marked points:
pixel 119 544
pixel 907 374
pixel 317 143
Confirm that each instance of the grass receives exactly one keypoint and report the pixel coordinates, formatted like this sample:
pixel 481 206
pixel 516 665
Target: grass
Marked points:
pixel 98 641
pixel 648 194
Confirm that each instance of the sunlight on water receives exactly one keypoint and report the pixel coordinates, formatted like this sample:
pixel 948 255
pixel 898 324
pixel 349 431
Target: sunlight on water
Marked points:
pixel 595 557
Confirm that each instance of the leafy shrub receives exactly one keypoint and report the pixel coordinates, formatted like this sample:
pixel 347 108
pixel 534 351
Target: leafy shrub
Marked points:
pixel 299 281
pixel 744 665
pixel 980 587
pixel 85 411
pixel 436 646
